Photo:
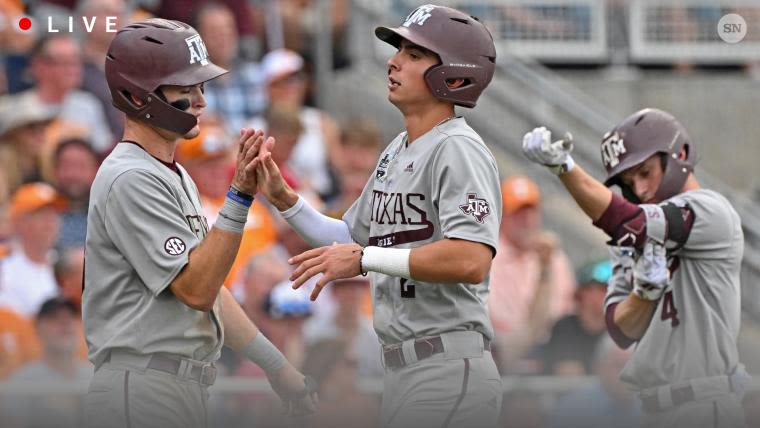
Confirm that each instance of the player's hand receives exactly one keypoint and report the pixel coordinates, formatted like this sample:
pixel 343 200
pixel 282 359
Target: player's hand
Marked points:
pixel 271 183
pixel 336 261
pixel 297 392
pixel 650 273
pixel 249 144
pixel 539 148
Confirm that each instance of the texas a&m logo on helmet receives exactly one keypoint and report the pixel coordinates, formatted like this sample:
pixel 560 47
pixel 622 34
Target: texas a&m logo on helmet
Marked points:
pixel 612 147
pixel 419 15
pixel 198 52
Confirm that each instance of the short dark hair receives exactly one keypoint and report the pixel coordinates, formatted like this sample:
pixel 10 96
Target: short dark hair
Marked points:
pixel 39 46
pixel 209 6
pixel 69 142
pixel 55 304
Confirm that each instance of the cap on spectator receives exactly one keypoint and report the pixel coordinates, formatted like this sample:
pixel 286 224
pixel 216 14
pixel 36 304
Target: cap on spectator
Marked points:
pixel 517 192
pixel 22 110
pixel 279 63
pixel 597 272
pixel 31 197
pixel 55 304
pixel 211 143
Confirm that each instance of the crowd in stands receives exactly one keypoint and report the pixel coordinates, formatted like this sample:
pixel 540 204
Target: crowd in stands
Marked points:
pixel 57 124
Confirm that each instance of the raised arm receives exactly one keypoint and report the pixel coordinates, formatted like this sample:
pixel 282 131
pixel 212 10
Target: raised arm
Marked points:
pixel 314 227
pixel 198 283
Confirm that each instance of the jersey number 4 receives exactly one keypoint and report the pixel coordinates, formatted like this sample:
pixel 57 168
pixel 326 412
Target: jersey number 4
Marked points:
pixel 669 311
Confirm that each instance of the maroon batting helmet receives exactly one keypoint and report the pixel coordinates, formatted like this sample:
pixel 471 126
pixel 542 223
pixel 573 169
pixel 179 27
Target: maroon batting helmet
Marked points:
pixel 641 135
pixel 463 43
pixel 148 54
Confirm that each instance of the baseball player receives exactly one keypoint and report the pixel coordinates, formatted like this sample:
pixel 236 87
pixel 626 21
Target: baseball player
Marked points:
pixel 425 227
pixel 677 251
pixel 155 312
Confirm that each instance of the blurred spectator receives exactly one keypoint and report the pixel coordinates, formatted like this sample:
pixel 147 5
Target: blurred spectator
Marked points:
pixel 290 244
pixel 23 121
pixel 69 270
pixel 281 324
pixel 18 342
pixel 239 94
pixel 182 10
pixel 341 404
pixel 604 404
pixel 262 272
pixel 75 164
pixel 26 275
pixel 5 220
pixel 299 21
pixel 348 324
pixel 574 337
pixel 277 312
pixel 531 278
pixel 284 125
pixel 318 144
pixel 94 50
pixel 65 4
pixel 56 66
pixel 209 159
pixel 59 328
pixel 14 45
pixel 360 146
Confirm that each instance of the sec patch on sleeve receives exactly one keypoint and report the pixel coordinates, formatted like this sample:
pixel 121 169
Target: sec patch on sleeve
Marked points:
pixel 476 207
pixel 174 246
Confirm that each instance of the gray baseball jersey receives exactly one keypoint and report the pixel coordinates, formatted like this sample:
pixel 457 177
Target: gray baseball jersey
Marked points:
pixel 444 185
pixel 694 328
pixel 144 219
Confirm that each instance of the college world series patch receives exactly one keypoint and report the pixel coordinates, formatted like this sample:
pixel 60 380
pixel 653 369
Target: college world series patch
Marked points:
pixel 476 207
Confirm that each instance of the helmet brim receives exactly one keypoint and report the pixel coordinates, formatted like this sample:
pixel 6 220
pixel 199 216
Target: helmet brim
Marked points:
pixel 195 76
pixel 394 36
pixel 614 175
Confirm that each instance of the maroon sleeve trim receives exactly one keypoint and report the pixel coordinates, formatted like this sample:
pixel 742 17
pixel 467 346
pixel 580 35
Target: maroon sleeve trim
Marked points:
pixel 624 222
pixel 616 334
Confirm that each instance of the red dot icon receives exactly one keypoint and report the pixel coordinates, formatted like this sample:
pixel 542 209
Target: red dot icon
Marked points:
pixel 25 23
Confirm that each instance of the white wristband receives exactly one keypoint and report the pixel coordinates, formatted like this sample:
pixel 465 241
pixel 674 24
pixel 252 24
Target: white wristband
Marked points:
pixel 564 167
pixel 390 261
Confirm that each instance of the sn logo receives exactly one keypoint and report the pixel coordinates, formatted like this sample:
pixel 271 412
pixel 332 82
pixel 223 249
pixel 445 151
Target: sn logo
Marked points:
pixel 612 148
pixel 197 49
pixel 732 28
pixel 419 16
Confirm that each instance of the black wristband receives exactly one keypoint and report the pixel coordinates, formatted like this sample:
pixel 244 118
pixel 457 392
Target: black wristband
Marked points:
pixel 237 192
pixel 361 268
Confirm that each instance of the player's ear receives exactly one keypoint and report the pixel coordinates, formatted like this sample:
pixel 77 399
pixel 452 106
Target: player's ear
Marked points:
pixel 455 83
pixel 684 153
pixel 136 101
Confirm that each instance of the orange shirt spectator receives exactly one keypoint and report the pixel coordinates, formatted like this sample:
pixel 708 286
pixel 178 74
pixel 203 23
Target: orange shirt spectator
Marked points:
pixel 532 280
pixel 18 342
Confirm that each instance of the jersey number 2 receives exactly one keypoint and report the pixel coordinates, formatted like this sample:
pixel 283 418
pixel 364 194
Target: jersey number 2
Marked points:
pixel 407 290
pixel 669 311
